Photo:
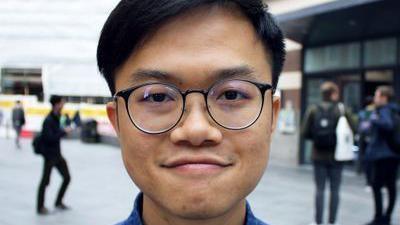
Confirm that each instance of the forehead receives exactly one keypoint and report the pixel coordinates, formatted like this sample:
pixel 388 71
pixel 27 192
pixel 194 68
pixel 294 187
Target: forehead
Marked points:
pixel 198 43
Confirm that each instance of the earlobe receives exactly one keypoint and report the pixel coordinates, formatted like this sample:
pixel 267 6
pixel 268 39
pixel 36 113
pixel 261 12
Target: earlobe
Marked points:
pixel 276 108
pixel 112 115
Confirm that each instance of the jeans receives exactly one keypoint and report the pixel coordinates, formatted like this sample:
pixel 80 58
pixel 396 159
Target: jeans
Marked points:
pixel 324 171
pixel 18 130
pixel 61 166
pixel 384 174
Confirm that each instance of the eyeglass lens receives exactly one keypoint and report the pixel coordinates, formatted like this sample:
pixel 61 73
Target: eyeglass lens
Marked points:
pixel 233 104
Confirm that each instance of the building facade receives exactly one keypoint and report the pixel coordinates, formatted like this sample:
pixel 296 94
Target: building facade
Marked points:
pixel 355 43
pixel 49 47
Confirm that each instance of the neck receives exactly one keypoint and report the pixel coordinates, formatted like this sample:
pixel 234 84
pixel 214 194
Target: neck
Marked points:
pixel 55 112
pixel 155 215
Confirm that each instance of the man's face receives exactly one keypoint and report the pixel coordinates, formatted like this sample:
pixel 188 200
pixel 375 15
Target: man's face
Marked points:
pixel 190 49
pixel 58 107
pixel 335 96
pixel 379 99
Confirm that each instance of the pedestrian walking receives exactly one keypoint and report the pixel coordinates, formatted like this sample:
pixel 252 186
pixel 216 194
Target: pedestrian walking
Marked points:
pixel 51 136
pixel 65 120
pixel 320 126
pixel 76 119
pixel 380 156
pixel 18 121
pixel 1 117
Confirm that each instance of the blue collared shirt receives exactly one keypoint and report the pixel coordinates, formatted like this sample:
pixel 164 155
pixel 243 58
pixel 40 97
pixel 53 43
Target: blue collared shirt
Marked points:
pixel 136 216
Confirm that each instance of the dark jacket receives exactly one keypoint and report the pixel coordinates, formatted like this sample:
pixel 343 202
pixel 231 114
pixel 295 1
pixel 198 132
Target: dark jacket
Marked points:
pixel 364 123
pixel 18 117
pixel 382 125
pixel 51 136
pixel 307 131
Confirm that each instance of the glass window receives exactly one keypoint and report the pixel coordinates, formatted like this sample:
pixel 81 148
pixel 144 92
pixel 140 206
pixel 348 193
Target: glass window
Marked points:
pixel 336 57
pixel 313 91
pixel 398 51
pixel 352 95
pixel 21 81
pixel 379 76
pixel 380 52
pixel 350 90
pixel 375 78
pixel 313 97
pixel 88 99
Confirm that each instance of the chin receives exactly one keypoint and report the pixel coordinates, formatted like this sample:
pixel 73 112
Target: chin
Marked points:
pixel 203 211
pixel 205 204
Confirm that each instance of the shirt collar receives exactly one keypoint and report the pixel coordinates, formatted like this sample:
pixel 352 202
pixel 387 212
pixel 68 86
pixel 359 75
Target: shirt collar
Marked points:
pixel 55 115
pixel 136 216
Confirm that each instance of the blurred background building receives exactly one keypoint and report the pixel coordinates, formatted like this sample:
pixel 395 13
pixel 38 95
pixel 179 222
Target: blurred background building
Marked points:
pixel 49 47
pixel 355 43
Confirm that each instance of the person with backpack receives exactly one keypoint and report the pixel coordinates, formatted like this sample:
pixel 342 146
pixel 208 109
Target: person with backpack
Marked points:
pixel 18 121
pixel 382 154
pixel 319 125
pixel 51 151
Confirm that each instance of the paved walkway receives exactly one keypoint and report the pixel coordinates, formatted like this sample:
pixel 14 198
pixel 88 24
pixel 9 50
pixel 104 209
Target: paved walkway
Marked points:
pixel 101 192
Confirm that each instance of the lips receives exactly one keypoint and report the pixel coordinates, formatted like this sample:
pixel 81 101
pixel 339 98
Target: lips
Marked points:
pixel 196 167
pixel 196 162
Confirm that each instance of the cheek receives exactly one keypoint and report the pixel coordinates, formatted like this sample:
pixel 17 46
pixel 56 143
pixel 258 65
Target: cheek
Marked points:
pixel 253 147
pixel 138 150
pixel 260 138
pixel 132 152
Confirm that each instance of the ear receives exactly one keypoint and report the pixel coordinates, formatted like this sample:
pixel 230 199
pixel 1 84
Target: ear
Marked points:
pixel 112 114
pixel 276 108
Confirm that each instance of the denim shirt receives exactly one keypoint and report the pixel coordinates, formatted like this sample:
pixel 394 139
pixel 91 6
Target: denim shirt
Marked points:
pixel 136 216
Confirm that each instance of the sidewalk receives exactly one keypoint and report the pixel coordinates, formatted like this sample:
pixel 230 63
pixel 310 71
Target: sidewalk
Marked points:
pixel 101 192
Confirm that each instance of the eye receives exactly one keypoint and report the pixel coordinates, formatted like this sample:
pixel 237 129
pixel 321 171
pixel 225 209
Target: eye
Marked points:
pixel 232 95
pixel 157 98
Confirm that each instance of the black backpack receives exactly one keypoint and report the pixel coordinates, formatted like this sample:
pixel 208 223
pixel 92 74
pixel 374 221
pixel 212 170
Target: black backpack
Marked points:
pixel 37 144
pixel 394 136
pixel 324 128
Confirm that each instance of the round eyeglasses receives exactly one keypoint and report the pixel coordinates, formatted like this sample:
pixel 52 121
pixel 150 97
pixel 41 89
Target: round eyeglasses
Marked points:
pixel 155 108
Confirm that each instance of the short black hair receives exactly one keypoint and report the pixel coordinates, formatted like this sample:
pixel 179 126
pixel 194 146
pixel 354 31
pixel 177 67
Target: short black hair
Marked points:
pixel 55 99
pixel 132 20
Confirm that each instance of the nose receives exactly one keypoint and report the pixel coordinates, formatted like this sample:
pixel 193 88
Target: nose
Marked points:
pixel 196 127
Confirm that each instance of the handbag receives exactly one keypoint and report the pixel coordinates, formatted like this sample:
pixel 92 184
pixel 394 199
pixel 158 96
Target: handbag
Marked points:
pixel 344 138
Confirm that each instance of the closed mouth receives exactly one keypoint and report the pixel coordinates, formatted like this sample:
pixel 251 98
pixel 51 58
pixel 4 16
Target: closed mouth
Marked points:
pixel 198 162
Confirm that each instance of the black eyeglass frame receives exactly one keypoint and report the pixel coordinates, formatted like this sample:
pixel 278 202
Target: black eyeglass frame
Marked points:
pixel 125 94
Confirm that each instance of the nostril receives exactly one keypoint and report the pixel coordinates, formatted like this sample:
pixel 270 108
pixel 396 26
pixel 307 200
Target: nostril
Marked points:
pixel 209 143
pixel 194 134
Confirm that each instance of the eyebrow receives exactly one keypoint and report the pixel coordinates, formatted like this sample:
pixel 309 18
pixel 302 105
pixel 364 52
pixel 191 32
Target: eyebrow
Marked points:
pixel 143 74
pixel 244 72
